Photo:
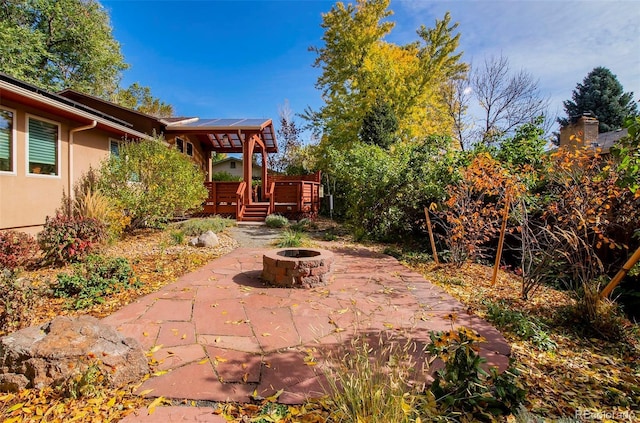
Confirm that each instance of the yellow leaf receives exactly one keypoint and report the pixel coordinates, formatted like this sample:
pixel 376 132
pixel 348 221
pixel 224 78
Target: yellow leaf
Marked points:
pixel 111 402
pixel 266 334
pixel 184 336
pixel 160 373
pixel 388 325
pixel 15 407
pixel 155 348
pixel 203 361
pixel 275 396
pixel 154 404
pixel 145 392
pixel 221 359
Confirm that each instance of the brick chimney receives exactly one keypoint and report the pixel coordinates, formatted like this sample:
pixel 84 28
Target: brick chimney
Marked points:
pixel 582 131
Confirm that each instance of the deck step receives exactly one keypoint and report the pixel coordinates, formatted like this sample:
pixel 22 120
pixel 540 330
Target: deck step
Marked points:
pixel 255 212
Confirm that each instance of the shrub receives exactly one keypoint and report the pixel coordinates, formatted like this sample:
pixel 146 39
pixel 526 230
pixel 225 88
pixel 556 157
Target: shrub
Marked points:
pixel 225 176
pixel 94 279
pixel 17 249
pixel 276 221
pixel 462 386
pixel 17 299
pixel 95 205
pixel 520 325
pixel 290 239
pixel 153 183
pixel 195 227
pixel 363 388
pixel 68 239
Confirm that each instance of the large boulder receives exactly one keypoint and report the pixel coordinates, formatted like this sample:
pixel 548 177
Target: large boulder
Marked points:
pixel 207 239
pixel 53 352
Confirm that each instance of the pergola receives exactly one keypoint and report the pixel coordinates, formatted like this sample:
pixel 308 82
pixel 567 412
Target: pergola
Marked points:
pixel 246 136
pixel 293 195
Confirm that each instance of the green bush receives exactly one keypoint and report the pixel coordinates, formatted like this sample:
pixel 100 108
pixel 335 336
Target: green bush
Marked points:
pixel 462 386
pixel 290 239
pixel 276 221
pixel 225 176
pixel 17 249
pixel 195 227
pixel 91 281
pixel 152 182
pixel 67 239
pixel 520 325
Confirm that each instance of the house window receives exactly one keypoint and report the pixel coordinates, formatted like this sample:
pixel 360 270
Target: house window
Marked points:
pixel 6 140
pixel 232 165
pixel 180 145
pixel 42 154
pixel 189 149
pixel 114 148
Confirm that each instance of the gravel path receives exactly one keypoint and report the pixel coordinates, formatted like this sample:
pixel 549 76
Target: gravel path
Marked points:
pixel 254 236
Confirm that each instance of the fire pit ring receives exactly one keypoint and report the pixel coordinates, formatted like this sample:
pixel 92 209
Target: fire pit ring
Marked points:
pixel 297 267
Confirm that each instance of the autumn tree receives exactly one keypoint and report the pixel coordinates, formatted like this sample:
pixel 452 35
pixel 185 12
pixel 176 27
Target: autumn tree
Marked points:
pixel 507 99
pixel 57 44
pixel 359 69
pixel 602 94
pixel 138 97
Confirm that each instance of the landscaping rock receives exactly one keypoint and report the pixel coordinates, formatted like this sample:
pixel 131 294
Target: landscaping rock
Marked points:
pixel 207 239
pixel 53 352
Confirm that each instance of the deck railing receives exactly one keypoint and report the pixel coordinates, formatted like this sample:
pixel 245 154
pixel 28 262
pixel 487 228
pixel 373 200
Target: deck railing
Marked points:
pixel 288 195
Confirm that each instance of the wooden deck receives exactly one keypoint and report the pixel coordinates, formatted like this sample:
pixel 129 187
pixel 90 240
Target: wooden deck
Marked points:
pixel 291 196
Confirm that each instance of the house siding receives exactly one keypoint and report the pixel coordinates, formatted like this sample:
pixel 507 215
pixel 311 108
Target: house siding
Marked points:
pixel 27 199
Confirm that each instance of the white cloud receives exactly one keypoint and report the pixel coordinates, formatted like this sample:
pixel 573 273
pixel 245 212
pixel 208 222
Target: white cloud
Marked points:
pixel 557 42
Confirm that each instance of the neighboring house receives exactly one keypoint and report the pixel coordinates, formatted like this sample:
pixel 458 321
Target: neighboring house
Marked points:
pixel 234 166
pixel 47 142
pixel 583 132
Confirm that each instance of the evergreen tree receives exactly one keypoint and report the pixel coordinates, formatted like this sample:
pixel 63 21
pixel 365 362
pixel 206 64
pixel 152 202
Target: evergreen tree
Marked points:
pixel 379 125
pixel 601 94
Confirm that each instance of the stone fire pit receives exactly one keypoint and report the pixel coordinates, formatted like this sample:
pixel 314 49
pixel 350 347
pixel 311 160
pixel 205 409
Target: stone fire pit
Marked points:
pixel 297 267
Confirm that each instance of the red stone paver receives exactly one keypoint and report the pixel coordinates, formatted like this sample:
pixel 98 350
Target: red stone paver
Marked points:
pixel 224 334
pixel 174 414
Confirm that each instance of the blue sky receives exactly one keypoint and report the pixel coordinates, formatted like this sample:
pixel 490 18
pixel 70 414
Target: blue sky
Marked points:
pixel 244 58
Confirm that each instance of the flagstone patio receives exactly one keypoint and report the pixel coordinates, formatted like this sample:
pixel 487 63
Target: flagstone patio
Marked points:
pixel 221 334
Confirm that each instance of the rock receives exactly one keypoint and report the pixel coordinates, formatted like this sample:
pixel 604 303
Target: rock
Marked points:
pixel 53 352
pixel 12 382
pixel 208 239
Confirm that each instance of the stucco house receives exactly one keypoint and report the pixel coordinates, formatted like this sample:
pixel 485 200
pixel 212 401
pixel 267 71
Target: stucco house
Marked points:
pixel 49 140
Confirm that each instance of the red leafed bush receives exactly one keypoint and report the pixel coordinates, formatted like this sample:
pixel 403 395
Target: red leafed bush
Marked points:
pixel 66 239
pixel 17 249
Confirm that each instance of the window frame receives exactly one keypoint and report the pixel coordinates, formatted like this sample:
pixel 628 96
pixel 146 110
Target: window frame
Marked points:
pixel 115 141
pixel 232 164
pixel 13 146
pixel 180 148
pixel 189 145
pixel 58 147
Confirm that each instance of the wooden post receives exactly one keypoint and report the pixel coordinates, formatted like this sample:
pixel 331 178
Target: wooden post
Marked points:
pixel 621 274
pixel 433 243
pixel 503 229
